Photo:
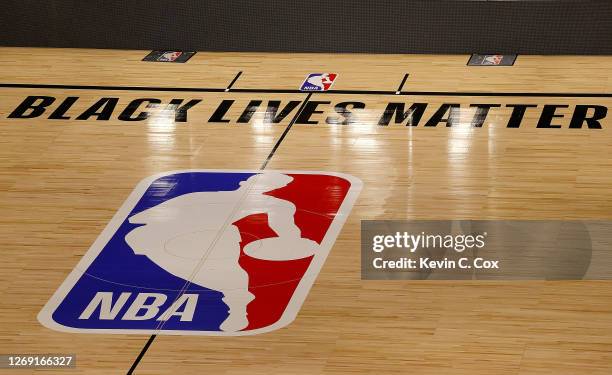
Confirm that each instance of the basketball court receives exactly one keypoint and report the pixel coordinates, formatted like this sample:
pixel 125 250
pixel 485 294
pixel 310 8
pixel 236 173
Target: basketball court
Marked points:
pixel 422 137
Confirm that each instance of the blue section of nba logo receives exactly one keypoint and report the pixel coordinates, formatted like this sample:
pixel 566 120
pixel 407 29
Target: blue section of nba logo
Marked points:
pixel 308 86
pixel 121 275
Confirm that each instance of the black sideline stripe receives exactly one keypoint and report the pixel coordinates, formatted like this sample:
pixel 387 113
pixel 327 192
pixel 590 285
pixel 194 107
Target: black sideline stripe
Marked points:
pixel 285 91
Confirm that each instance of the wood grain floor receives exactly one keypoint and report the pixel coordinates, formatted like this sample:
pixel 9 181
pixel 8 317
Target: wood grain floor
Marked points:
pixel 62 180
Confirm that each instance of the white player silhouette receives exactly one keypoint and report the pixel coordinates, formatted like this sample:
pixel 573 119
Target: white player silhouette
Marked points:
pixel 192 237
pixel 320 80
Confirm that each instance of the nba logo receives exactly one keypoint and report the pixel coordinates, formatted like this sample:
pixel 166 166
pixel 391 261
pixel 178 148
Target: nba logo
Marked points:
pixel 318 82
pixel 492 60
pixel 169 56
pixel 206 252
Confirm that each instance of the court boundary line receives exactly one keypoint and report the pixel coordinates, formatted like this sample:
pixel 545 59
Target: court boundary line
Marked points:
pixel 285 132
pixel 401 85
pixel 295 91
pixel 277 144
pixel 143 351
pixel 229 87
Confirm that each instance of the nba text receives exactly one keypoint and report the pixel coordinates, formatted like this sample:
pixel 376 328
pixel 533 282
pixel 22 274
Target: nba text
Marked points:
pixel 141 306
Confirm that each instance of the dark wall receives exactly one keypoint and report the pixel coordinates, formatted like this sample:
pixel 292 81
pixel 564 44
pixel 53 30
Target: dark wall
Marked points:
pixel 383 26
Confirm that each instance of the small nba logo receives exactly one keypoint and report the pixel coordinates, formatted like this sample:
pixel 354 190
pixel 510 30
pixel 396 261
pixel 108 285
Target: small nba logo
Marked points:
pixel 206 252
pixel 492 60
pixel 169 56
pixel 318 82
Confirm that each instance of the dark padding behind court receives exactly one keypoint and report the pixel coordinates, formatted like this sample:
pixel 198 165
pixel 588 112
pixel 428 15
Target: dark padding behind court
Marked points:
pixel 394 26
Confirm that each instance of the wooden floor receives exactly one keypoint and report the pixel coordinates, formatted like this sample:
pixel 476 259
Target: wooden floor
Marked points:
pixel 61 181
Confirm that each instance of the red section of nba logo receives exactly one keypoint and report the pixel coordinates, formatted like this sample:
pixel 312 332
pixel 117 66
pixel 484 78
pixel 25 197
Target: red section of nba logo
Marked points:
pixel 329 81
pixel 317 199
